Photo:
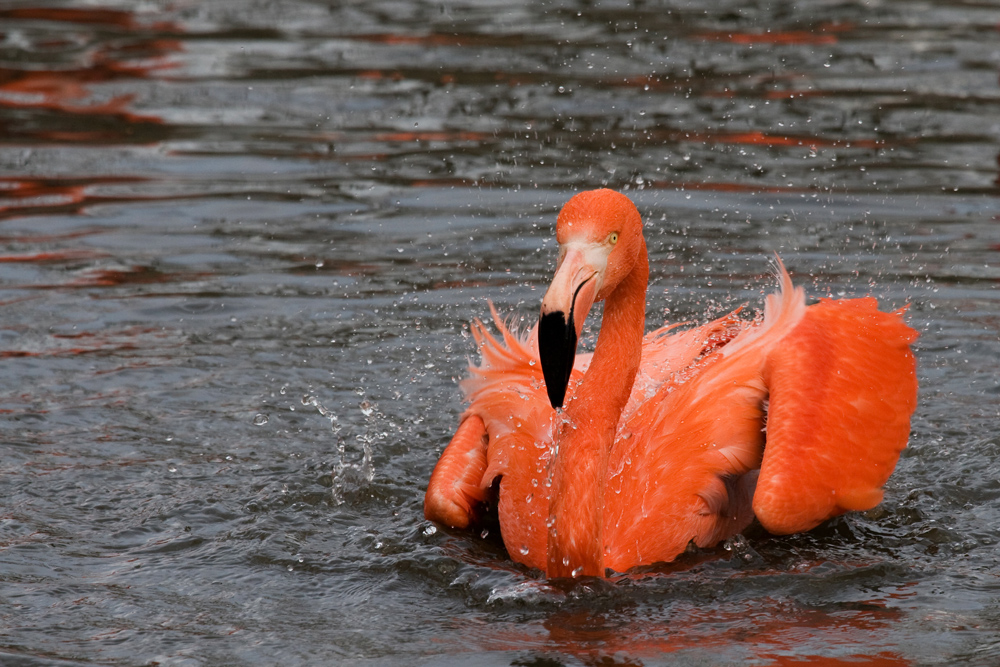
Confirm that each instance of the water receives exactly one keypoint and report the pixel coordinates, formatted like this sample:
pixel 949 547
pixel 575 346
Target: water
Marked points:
pixel 242 242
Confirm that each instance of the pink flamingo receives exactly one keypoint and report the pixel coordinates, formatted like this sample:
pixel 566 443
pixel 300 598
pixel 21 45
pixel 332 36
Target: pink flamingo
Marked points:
pixel 675 437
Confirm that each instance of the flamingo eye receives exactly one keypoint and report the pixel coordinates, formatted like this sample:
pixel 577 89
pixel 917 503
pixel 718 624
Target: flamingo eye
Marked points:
pixel 613 238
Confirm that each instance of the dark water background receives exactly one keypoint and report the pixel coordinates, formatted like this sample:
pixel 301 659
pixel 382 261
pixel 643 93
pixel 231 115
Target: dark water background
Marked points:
pixel 240 243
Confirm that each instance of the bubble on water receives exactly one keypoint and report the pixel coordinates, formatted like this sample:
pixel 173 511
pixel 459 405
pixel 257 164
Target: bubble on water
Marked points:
pixel 366 408
pixel 741 549
pixel 171 468
pixel 430 530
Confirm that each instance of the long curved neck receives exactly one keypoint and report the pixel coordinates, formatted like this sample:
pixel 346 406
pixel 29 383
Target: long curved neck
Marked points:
pixel 583 442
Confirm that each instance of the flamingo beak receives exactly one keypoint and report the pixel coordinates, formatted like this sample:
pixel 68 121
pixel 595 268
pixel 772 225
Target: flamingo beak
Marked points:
pixel 564 310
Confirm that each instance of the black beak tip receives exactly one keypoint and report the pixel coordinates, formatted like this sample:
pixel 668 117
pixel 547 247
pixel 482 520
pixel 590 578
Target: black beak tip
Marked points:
pixel 556 395
pixel 557 349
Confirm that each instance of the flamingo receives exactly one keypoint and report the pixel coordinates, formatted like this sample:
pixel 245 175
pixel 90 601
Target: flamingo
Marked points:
pixel 628 455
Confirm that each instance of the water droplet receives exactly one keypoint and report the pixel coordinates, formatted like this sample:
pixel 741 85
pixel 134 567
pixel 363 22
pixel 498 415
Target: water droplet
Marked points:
pixel 366 408
pixel 171 468
pixel 565 561
pixel 577 572
pixel 524 549
pixel 486 531
pixel 259 419
pixel 430 530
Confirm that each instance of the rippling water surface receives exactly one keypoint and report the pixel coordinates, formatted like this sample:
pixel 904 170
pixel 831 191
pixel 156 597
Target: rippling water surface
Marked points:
pixel 241 242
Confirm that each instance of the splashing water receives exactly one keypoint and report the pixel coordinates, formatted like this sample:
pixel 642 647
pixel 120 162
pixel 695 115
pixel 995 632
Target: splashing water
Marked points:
pixel 352 475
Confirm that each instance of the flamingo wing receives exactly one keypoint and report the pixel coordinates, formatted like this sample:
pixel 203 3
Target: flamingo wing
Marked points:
pixel 682 467
pixel 842 386
pixel 455 490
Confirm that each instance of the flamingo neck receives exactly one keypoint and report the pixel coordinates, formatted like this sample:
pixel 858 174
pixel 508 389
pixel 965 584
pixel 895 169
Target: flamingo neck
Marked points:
pixel 584 439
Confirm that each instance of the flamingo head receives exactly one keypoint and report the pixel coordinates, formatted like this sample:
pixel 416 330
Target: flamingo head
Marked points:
pixel 600 235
